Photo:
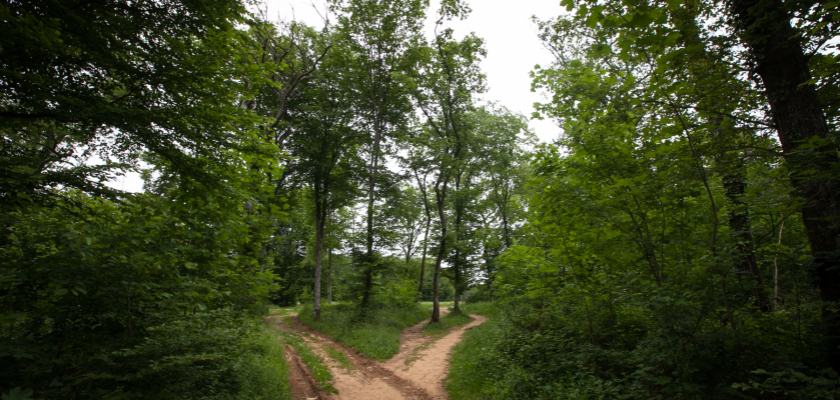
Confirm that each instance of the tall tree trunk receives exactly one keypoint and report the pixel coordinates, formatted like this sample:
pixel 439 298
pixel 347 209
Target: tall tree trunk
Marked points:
pixel 457 284
pixel 781 62
pixel 373 170
pixel 329 277
pixel 319 256
pixel 436 281
pixel 423 259
pixel 743 254
pixel 440 196
pixel 426 208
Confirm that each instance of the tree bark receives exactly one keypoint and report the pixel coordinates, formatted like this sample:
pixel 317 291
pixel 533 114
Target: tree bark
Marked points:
pixel 781 62
pixel 426 207
pixel 374 166
pixel 423 259
pixel 743 253
pixel 329 277
pixel 440 195
pixel 319 258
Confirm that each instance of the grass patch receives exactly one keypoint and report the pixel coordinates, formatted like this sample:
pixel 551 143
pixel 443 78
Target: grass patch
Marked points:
pixel 376 334
pixel 339 357
pixel 429 305
pixel 320 372
pixel 281 311
pixel 265 375
pixel 468 373
pixel 449 321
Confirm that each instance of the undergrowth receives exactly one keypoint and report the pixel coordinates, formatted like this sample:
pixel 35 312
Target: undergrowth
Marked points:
pixel 265 375
pixel 468 372
pixel 375 333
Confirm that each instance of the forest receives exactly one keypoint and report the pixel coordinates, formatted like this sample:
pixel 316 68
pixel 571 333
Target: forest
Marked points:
pixel 680 238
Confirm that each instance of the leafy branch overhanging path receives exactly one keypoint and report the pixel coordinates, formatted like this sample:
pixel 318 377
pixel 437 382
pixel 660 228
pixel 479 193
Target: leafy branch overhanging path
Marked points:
pixel 417 372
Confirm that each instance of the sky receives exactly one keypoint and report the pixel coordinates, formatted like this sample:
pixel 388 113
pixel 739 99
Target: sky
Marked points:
pixel 513 50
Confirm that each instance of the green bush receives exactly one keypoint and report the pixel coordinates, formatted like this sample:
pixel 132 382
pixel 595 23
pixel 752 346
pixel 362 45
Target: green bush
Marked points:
pixel 140 299
pixel 399 294
pixel 210 355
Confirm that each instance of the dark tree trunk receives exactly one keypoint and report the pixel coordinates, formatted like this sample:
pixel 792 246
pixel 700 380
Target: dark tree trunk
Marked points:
pixel 743 253
pixel 441 199
pixel 426 208
pixel 373 171
pixel 423 259
pixel 780 61
pixel 319 258
pixel 329 277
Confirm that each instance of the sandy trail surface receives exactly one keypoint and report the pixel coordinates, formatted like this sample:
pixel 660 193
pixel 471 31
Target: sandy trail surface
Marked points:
pixel 417 372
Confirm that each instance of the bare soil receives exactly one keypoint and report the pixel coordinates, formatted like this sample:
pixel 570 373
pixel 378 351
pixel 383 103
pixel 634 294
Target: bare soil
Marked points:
pixel 417 372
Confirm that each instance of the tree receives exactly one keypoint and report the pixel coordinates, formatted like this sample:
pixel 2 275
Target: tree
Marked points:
pixel 383 35
pixel 449 78
pixel 325 149
pixel 115 79
pixel 779 55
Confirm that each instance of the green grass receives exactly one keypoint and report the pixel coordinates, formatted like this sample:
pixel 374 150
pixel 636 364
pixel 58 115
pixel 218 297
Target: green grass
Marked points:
pixel 375 335
pixel 287 319
pixel 281 311
pixel 340 357
pixel 468 372
pixel 320 372
pixel 447 322
pixel 265 375
pixel 428 304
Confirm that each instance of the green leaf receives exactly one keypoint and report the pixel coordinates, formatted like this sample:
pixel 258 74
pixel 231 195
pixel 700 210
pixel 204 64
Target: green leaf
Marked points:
pixel 60 292
pixel 18 394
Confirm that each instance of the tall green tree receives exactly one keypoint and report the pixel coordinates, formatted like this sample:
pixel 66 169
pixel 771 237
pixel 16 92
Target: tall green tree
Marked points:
pixel 448 80
pixel 782 48
pixel 384 35
pixel 115 79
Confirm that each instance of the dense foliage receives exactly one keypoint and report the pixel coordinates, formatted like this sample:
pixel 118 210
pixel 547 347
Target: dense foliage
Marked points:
pixel 678 239
pixel 112 295
pixel 673 247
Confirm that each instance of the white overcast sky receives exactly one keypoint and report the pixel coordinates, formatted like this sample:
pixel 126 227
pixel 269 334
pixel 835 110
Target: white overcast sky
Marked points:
pixel 513 50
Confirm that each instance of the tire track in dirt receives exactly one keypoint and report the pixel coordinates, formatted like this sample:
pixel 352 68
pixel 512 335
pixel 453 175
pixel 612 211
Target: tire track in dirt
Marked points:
pixel 425 363
pixel 416 372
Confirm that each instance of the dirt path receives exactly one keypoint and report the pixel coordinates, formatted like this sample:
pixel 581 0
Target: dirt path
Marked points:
pixel 416 372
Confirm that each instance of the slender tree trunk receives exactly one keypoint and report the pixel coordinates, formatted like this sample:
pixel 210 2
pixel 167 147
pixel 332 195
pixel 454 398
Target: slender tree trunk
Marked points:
pixel 426 208
pixel 743 254
pixel 441 198
pixel 436 282
pixel 457 306
pixel 373 170
pixel 329 277
pixel 781 62
pixel 423 259
pixel 319 256
pixel 776 270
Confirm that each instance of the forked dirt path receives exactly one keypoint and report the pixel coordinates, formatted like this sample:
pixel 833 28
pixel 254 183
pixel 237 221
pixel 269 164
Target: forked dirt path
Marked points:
pixel 417 372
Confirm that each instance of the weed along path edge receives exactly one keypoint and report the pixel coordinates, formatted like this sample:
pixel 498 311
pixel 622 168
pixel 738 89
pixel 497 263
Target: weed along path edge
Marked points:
pixel 416 372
